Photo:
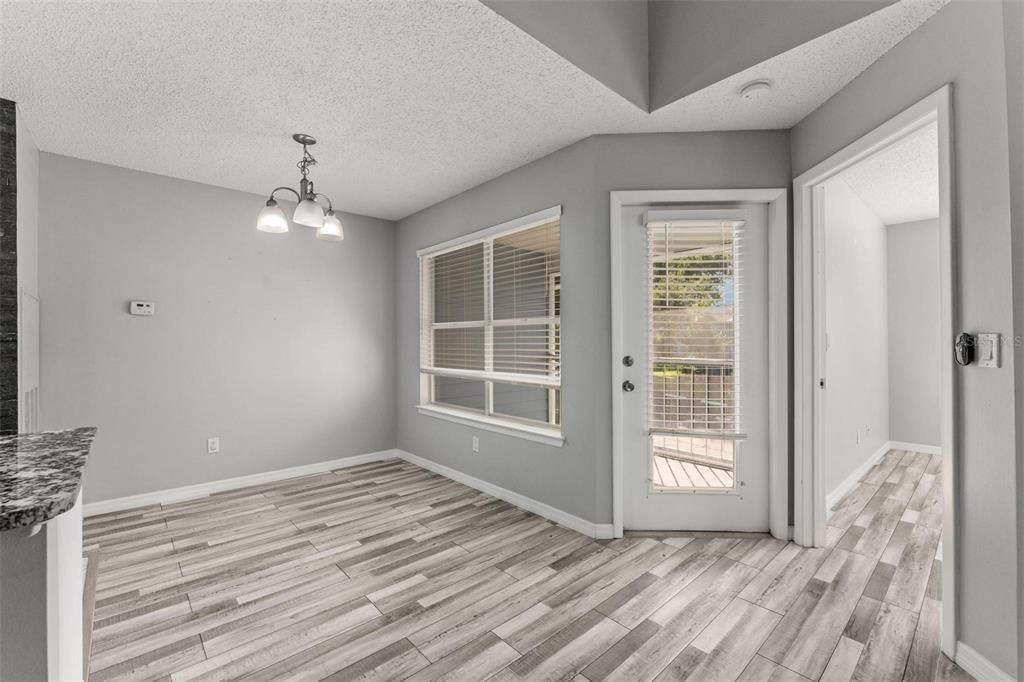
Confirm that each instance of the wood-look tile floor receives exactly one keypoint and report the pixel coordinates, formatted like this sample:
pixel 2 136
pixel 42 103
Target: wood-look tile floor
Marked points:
pixel 386 572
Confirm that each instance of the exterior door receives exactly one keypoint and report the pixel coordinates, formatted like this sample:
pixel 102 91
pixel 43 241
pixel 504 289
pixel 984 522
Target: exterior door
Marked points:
pixel 695 417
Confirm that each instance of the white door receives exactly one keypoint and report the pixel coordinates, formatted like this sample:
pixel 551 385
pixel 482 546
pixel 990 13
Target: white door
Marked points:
pixel 695 417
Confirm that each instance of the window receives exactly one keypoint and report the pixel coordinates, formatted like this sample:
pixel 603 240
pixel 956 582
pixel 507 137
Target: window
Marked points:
pixel 693 327
pixel 490 327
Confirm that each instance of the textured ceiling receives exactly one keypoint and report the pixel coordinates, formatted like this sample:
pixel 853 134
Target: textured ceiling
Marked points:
pixel 901 184
pixel 412 101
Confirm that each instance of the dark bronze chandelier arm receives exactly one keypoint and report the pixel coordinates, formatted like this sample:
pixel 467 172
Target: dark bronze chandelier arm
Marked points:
pixel 289 189
pixel 330 206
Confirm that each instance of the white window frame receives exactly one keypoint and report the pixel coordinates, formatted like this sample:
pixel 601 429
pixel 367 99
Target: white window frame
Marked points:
pixel 548 435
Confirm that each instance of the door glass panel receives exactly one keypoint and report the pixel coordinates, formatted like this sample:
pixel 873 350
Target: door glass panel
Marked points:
pixel 693 410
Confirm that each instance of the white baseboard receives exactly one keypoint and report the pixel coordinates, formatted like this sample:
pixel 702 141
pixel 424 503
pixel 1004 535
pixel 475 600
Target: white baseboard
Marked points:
pixel 978 666
pixel 192 492
pixel 916 447
pixel 601 531
pixel 846 486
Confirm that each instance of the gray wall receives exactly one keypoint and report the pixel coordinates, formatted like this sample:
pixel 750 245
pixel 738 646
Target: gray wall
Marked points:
pixel 281 345
pixel 857 322
pixel 915 338
pixel 962 44
pixel 577 477
pixel 1013 31
pixel 23 647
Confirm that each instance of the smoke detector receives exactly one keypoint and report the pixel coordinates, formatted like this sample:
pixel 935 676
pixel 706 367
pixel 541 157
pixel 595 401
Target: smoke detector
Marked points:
pixel 755 89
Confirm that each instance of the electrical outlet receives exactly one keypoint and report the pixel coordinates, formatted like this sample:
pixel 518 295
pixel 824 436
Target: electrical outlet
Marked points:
pixel 476 444
pixel 212 446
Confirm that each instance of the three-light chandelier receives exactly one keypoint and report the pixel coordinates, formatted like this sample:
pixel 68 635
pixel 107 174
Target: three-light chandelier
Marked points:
pixel 308 212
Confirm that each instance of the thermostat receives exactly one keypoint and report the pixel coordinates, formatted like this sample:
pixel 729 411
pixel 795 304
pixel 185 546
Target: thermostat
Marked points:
pixel 142 308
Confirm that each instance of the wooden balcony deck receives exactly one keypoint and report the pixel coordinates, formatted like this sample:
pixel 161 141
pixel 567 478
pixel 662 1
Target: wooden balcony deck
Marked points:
pixel 688 463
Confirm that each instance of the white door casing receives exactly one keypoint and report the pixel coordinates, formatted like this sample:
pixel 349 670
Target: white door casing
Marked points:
pixel 808 285
pixel 770 510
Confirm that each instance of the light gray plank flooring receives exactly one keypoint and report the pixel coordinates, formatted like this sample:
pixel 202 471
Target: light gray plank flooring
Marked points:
pixel 386 571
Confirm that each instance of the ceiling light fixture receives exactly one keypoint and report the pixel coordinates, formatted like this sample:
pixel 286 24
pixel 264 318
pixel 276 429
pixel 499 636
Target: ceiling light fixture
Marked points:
pixel 308 212
pixel 755 89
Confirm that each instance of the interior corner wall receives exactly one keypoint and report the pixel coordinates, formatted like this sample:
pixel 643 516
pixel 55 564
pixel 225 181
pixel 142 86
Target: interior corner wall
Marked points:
pixel 282 345
pixel 1013 33
pixel 857 325
pixel 961 44
pixel 575 478
pixel 915 332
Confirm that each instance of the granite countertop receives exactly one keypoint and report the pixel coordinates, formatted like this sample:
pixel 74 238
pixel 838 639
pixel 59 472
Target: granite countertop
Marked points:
pixel 41 474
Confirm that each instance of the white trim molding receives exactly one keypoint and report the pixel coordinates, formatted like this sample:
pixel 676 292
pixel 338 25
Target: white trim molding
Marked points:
pixel 915 447
pixel 776 200
pixel 847 484
pixel 980 667
pixel 536 218
pixel 809 494
pixel 506 427
pixel 194 492
pixel 599 531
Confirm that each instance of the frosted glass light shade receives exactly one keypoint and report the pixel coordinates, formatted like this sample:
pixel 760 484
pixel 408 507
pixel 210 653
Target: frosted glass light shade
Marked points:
pixel 331 230
pixel 271 219
pixel 308 213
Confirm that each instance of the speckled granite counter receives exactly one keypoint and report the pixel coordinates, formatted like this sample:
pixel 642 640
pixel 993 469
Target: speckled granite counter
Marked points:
pixel 41 474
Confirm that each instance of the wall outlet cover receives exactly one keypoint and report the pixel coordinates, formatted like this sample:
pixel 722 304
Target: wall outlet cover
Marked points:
pixel 212 446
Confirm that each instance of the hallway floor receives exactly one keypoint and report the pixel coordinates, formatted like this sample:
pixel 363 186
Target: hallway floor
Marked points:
pixel 386 571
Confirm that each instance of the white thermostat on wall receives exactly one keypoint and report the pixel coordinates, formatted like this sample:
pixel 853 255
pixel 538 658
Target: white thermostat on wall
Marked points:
pixel 142 308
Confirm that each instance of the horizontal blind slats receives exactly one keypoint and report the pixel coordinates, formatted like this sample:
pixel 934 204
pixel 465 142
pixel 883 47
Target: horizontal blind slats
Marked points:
pixel 693 288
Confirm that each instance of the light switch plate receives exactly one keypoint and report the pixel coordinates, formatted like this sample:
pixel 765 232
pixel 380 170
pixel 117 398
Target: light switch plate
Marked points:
pixel 988 350
pixel 142 308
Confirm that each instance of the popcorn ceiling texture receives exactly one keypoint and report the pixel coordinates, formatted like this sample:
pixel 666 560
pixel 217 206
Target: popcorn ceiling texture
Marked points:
pixel 412 102
pixel 901 184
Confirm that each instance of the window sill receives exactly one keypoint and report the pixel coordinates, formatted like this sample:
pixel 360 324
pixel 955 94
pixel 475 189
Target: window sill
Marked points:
pixel 505 427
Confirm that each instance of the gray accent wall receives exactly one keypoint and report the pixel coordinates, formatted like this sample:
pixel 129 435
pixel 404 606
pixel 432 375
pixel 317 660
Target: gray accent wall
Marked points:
pixel 282 346
pixel 963 45
pixel 575 478
pixel 915 332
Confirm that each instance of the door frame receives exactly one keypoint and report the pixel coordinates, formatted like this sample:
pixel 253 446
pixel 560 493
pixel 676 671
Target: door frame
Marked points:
pixel 777 202
pixel 809 507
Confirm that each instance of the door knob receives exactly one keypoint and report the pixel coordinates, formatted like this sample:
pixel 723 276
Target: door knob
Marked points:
pixel 628 386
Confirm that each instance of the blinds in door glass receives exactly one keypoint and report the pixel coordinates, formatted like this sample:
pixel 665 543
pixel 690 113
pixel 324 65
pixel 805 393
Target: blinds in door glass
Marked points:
pixel 490 325
pixel 694 287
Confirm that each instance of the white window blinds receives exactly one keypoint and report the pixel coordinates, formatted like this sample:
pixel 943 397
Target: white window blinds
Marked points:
pixel 694 287
pixel 491 325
